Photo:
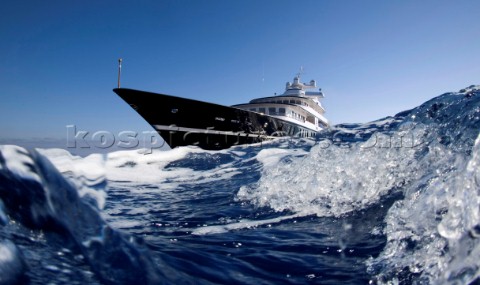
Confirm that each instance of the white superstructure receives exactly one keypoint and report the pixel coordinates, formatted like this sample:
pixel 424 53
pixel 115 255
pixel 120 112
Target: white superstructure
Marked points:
pixel 295 105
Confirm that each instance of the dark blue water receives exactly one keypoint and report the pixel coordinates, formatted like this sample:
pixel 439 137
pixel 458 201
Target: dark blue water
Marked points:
pixel 392 201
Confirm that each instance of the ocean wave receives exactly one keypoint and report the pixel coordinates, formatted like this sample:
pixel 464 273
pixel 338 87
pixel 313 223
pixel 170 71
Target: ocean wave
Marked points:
pixel 428 155
pixel 39 198
pixel 391 201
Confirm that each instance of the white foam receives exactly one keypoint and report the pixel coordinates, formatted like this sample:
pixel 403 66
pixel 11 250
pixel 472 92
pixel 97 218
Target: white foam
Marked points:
pixel 90 167
pixel 137 167
pixel 271 156
pixel 126 224
pixel 18 161
pixel 242 224
pixel 134 166
pixel 84 173
pixel 330 181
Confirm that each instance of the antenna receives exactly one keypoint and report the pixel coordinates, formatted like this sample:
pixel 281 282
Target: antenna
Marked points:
pixel 119 71
pixel 300 72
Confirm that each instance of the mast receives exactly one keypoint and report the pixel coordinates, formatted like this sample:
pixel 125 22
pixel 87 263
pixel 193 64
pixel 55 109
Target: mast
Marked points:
pixel 119 71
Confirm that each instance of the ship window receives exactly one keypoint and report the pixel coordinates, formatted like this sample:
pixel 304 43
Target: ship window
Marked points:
pixel 253 109
pixel 220 119
pixel 292 101
pixel 298 102
pixel 261 110
pixel 285 102
pixel 174 110
pixel 281 111
pixel 272 111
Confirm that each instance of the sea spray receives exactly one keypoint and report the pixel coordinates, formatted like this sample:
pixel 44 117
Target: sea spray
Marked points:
pixel 390 201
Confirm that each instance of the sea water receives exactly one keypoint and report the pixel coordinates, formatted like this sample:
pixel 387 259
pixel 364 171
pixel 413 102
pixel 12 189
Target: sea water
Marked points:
pixel 394 201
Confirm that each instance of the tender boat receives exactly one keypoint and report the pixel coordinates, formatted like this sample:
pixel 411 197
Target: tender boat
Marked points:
pixel 181 121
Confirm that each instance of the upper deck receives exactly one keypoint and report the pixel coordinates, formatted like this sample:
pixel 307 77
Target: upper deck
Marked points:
pixel 296 103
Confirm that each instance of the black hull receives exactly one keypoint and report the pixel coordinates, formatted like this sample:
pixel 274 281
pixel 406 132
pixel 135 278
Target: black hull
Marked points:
pixel 181 121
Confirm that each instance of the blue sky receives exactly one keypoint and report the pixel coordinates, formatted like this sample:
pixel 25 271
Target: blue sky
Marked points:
pixel 58 59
